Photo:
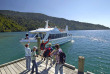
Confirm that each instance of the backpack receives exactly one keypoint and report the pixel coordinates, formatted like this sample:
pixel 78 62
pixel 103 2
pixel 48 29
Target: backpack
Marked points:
pixel 47 52
pixel 62 57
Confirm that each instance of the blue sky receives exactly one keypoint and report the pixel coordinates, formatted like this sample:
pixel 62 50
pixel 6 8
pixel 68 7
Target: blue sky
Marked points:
pixel 91 11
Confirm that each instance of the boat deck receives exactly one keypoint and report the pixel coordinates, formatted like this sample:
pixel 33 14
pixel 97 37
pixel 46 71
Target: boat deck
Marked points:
pixel 19 67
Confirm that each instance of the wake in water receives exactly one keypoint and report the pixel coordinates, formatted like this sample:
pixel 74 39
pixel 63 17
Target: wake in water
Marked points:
pixel 79 36
pixel 98 39
pixel 91 38
pixel 72 41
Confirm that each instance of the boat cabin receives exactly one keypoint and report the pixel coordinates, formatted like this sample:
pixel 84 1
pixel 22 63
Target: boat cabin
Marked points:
pixel 46 33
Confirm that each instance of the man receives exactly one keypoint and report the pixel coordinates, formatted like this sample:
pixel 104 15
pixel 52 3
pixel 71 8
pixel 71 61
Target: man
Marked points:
pixel 42 47
pixel 27 56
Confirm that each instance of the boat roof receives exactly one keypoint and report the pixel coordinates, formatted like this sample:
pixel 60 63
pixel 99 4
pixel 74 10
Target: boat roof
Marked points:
pixel 45 30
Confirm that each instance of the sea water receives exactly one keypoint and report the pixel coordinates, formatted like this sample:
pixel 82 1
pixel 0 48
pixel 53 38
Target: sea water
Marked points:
pixel 94 45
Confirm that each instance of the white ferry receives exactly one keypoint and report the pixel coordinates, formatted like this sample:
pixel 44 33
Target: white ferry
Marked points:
pixel 55 35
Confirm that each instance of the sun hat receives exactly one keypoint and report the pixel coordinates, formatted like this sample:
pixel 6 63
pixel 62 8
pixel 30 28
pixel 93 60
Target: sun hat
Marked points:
pixel 35 47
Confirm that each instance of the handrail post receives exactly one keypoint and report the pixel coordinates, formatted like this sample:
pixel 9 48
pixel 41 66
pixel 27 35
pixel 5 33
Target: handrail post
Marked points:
pixel 38 44
pixel 81 65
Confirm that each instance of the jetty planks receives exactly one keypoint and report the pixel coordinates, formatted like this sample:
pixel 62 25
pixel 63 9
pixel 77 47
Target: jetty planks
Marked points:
pixel 7 70
pixel 19 67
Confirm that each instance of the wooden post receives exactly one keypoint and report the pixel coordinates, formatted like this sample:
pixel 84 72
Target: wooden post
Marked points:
pixel 81 65
pixel 38 44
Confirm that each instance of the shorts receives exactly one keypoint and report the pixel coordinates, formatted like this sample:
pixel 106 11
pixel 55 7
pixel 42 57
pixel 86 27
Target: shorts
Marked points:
pixel 41 52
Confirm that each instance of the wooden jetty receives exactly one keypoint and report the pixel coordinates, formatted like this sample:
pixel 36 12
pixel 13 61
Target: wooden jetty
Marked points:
pixel 19 67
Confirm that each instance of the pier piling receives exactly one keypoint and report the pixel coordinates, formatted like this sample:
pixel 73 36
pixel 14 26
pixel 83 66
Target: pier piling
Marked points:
pixel 81 65
pixel 38 44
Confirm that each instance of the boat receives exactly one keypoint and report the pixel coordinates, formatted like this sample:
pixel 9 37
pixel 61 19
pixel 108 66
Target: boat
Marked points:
pixel 54 34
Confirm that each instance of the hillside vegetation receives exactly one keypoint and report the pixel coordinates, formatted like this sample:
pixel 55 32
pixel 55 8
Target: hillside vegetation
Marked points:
pixel 7 25
pixel 22 21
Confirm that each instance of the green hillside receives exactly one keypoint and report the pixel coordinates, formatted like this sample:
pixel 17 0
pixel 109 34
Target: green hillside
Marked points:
pixel 8 25
pixel 22 21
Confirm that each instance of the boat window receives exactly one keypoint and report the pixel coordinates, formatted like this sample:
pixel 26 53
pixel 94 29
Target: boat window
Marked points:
pixel 54 36
pixel 36 36
pixel 32 35
pixel 41 35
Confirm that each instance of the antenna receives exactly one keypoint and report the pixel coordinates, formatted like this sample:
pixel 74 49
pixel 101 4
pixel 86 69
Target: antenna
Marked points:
pixel 66 29
pixel 55 27
pixel 46 26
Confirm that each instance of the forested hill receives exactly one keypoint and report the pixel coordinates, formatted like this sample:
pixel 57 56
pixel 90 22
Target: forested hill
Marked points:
pixel 8 25
pixel 22 21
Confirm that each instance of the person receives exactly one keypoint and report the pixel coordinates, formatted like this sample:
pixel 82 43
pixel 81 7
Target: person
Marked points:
pixel 33 57
pixel 27 56
pixel 46 54
pixel 58 66
pixel 27 36
pixel 42 47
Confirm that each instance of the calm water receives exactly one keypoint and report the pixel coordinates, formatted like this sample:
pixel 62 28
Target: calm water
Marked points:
pixel 94 45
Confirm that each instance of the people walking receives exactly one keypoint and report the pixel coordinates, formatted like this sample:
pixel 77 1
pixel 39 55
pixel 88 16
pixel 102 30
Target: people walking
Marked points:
pixel 58 59
pixel 33 57
pixel 42 47
pixel 27 56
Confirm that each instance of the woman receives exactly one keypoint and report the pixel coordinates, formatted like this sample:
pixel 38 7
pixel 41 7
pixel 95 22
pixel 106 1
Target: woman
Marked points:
pixel 47 52
pixel 33 57
pixel 58 66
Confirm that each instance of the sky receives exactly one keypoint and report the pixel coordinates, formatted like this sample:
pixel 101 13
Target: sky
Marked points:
pixel 91 11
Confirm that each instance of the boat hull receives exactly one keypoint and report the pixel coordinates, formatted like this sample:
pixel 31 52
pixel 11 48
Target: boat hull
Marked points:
pixel 52 41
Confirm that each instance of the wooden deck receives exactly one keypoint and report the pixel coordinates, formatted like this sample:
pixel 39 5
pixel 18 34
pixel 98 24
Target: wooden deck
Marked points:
pixel 19 67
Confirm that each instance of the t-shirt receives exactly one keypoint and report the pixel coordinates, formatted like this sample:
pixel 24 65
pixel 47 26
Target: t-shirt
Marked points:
pixel 33 57
pixel 56 53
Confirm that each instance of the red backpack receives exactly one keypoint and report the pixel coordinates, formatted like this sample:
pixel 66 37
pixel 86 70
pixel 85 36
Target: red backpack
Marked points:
pixel 47 52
